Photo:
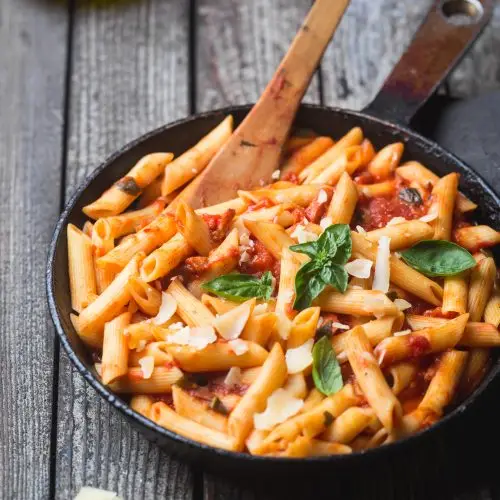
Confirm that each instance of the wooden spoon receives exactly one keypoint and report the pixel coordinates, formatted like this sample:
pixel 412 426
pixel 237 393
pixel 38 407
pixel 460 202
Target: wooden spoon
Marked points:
pixel 253 152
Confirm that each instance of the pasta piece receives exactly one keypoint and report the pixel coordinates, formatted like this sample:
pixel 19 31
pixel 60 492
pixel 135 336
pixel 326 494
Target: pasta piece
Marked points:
pixel 272 236
pixel 115 349
pixel 402 375
pixel 302 195
pixel 223 259
pixel 402 235
pixel 217 305
pixel 492 310
pixel 194 229
pixel 260 328
pixel 475 369
pixel 194 409
pixel 255 439
pixel 306 155
pixel 311 423
pixel 217 357
pixel 299 140
pixel 82 281
pixel 400 274
pixel 108 305
pixel 482 279
pixel 299 448
pixel 343 203
pixel 323 449
pixel 194 160
pixel 352 138
pixel 455 293
pixel 147 298
pixel 313 399
pixel 87 228
pixel 142 404
pixel 348 425
pixel 444 195
pixel 166 258
pixel 296 385
pixel 158 350
pixel 413 171
pixel 119 225
pixel 189 308
pixel 474 237
pixel 439 393
pixel 371 379
pixel 163 415
pixel 356 302
pixel 386 160
pixel 102 244
pixel 303 327
pixel 433 339
pixel 119 196
pixel 384 189
pixel 161 381
pixel 271 377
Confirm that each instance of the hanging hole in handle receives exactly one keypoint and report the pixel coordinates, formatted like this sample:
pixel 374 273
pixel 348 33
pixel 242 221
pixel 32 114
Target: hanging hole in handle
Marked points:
pixel 462 12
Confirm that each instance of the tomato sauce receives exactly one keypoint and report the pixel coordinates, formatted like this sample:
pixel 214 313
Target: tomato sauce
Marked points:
pixel 264 203
pixel 437 312
pixel 261 261
pixel 291 177
pixel 418 344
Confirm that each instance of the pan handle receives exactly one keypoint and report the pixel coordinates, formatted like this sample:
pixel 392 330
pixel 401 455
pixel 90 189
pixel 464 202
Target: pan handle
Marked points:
pixel 443 38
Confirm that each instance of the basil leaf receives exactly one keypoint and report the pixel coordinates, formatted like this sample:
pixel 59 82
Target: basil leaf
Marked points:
pixel 308 285
pixel 335 243
pixel 438 258
pixel 310 248
pixel 336 276
pixel 240 287
pixel 411 196
pixel 326 372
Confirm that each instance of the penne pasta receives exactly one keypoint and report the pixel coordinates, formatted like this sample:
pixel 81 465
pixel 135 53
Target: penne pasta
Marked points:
pixel 348 425
pixel 402 235
pixel 123 192
pixel 455 293
pixel 147 298
pixel 142 404
pixel 161 381
pixel 306 155
pixel 444 195
pixel 194 229
pixel 189 308
pixel 115 351
pixel 343 202
pixel 482 279
pixel 492 310
pixel 272 236
pixel 386 160
pixel 474 237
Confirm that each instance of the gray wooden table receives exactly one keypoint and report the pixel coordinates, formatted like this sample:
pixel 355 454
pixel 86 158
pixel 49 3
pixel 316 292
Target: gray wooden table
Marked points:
pixel 80 79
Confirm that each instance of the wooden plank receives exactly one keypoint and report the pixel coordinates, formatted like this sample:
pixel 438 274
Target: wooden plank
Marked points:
pixel 129 75
pixel 367 45
pixel 239 46
pixel 480 70
pixel 32 62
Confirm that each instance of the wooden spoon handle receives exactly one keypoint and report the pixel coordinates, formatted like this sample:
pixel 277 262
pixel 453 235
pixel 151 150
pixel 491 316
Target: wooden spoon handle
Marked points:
pixel 253 151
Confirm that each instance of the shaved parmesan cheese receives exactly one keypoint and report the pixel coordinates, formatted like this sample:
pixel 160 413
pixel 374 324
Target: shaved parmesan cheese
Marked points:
pixel 88 493
pixel 245 239
pixel 147 364
pixel 401 333
pixel 167 309
pixel 233 376
pixel 238 346
pixel 322 196
pixel 299 358
pixel 382 267
pixel 176 326
pixel 98 369
pixel 402 304
pixel 244 257
pixel 428 217
pixel 395 221
pixel 141 345
pixel 359 268
pixel 360 230
pixel 302 235
pixel 325 222
pixel 260 309
pixel 198 337
pixel 381 357
pixel 340 326
pixel 231 324
pixel 275 175
pixel 281 405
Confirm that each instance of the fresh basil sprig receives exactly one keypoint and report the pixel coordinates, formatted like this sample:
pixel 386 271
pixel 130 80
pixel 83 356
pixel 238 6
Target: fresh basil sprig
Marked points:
pixel 438 258
pixel 240 287
pixel 328 255
pixel 326 372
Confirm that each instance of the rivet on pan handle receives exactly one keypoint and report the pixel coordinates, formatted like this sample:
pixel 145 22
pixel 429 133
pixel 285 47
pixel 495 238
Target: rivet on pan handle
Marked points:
pixel 443 38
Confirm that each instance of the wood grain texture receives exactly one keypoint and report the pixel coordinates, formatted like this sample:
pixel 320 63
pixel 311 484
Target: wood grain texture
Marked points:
pixel 480 70
pixel 32 62
pixel 129 75
pixel 239 44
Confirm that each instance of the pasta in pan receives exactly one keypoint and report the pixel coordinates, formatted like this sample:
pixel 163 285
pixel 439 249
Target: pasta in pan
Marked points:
pixel 344 306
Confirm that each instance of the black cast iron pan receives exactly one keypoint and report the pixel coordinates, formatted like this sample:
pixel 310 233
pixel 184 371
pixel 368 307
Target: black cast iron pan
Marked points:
pixel 438 45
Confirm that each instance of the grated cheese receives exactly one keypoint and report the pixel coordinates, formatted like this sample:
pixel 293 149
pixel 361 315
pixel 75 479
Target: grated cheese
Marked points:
pixel 98 369
pixel 302 235
pixel 281 405
pixel 198 337
pixel 325 222
pixel 88 493
pixel 359 268
pixel 244 257
pixel 428 218
pixel 322 196
pixel 299 358
pixel 233 376
pixel 275 175
pixel 401 333
pixel 167 309
pixel 340 326
pixel 147 364
pixel 360 230
pixel 231 324
pixel 382 267
pixel 402 304
pixel 395 221
pixel 238 346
